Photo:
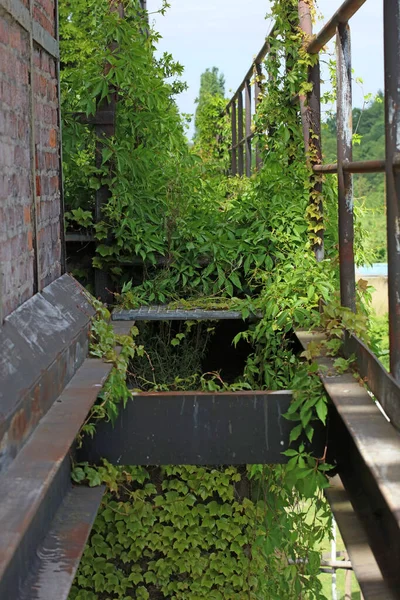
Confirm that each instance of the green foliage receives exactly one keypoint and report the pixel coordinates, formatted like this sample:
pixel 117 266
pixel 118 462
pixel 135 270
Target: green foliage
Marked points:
pixel 188 533
pixel 369 190
pixel 103 345
pixel 212 85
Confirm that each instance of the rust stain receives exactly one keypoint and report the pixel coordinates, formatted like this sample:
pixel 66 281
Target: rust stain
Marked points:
pixel 27 215
pixel 18 426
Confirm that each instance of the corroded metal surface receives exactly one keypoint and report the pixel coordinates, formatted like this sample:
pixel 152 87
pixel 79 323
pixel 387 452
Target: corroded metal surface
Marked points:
pixel 57 558
pixel 366 449
pixel 42 344
pixel 195 428
pixel 341 16
pixel 391 17
pixel 164 313
pixel 344 120
pixel 369 575
pixel 384 387
pixel 36 482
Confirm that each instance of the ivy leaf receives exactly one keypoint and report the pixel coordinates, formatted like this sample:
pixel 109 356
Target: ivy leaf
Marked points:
pixel 295 433
pixel 322 409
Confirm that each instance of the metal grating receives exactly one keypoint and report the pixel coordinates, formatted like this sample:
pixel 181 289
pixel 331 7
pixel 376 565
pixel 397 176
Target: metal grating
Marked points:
pixel 164 313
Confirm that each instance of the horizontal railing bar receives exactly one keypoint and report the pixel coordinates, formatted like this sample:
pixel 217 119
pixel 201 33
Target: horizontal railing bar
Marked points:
pixel 361 166
pixel 258 59
pixel 242 142
pixel 342 15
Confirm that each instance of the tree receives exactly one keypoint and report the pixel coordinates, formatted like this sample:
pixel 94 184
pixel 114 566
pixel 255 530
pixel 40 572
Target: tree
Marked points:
pixel 212 84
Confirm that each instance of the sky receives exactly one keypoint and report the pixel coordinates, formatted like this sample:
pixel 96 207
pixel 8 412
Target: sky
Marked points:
pixel 227 34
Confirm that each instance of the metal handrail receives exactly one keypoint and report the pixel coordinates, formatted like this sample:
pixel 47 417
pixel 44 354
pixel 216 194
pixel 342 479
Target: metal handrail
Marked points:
pixel 310 108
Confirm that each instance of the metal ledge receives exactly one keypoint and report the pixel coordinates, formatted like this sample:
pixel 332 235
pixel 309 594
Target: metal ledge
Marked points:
pixel 164 313
pixel 363 562
pixel 42 344
pixel 366 449
pixel 195 428
pixel 34 486
pixel 57 558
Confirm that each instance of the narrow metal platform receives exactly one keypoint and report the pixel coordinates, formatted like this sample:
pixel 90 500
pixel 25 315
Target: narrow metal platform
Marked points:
pixel 42 344
pixel 164 313
pixel 36 483
pixel 366 449
pixel 195 428
pixel 57 558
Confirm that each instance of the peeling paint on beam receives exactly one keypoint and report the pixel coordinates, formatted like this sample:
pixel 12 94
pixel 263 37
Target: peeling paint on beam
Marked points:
pixel 391 16
pixel 345 180
pixel 341 16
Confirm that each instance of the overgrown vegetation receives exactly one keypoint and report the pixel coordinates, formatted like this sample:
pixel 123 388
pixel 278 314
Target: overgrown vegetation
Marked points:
pixel 205 240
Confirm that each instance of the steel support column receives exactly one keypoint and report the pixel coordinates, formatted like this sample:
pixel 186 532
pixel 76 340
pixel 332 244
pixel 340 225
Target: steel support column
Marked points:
pixel 392 126
pixel 345 180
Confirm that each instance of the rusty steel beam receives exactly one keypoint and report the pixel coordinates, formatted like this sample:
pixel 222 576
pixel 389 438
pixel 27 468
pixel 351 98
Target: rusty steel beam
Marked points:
pixel 391 17
pixel 37 481
pixel 379 381
pixel 362 166
pixel 365 448
pixel 247 97
pixel 195 428
pixel 341 16
pixel 257 100
pixel 240 134
pixel 234 139
pixel 369 575
pixel 345 181
pixel 42 344
pixel 53 570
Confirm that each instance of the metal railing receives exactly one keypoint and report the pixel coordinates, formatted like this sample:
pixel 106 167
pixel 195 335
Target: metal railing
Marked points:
pixel 383 385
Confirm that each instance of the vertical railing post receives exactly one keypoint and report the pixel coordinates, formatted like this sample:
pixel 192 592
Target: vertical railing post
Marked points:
pixel 105 129
pixel 257 92
pixel 345 180
pixel 247 95
pixel 391 19
pixel 310 108
pixel 234 137
pixel 240 133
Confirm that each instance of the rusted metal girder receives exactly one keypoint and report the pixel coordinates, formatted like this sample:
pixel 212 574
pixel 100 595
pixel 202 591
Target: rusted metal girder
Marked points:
pixel 344 119
pixel 363 562
pixel 195 428
pixel 47 389
pixel 366 450
pixel 247 98
pixel 33 490
pixel 391 17
pixel 379 381
pixel 239 145
pixel 341 16
pixel 42 344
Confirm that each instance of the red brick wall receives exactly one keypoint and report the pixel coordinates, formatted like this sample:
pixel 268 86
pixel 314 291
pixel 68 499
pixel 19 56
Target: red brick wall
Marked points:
pixel 18 242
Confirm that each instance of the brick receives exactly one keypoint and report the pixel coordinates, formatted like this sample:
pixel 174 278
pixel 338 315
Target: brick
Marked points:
pixel 29 240
pixel 27 215
pixel 15 38
pixel 53 138
pixel 16 234
pixel 4 37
